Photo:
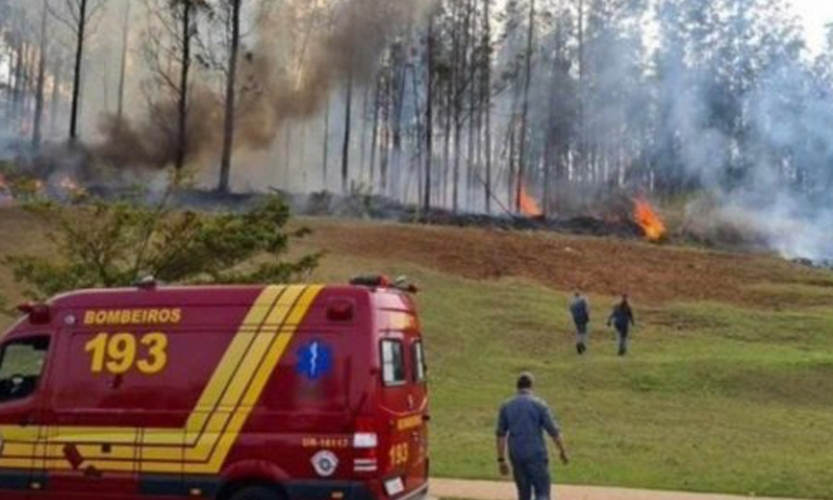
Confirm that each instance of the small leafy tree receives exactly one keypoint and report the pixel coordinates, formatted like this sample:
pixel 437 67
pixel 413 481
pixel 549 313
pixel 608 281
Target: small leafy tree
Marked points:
pixel 113 244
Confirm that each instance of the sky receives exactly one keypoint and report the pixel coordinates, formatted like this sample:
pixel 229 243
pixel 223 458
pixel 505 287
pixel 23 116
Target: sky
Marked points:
pixel 815 14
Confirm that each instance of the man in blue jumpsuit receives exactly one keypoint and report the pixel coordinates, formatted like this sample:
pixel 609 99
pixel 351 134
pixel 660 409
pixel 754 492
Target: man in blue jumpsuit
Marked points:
pixel 622 319
pixel 520 429
pixel 580 310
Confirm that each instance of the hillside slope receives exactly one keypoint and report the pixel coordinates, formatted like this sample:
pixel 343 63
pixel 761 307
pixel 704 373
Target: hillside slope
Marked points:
pixel 727 389
pixel 652 273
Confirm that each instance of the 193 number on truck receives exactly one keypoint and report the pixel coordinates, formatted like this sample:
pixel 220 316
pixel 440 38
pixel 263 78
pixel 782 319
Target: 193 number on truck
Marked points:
pixel 117 354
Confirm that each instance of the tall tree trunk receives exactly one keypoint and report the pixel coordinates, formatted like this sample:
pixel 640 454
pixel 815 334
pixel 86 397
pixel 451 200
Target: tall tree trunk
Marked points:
pixel 9 80
pixel 449 106
pixel 37 135
pixel 345 151
pixel 363 145
pixel 386 134
pixel 55 102
pixel 231 97
pixel 19 83
pixel 105 86
pixel 393 176
pixel 182 130
pixel 19 88
pixel 562 169
pixel 417 162
pixel 7 113
pixel 471 38
pixel 552 129
pixel 487 97
pixel 429 120
pixel 15 110
pixel 29 73
pixel 510 172
pixel 374 140
pixel 302 156
pixel 287 154
pixel 548 151
pixel 458 137
pixel 525 113
pixel 125 42
pixel 79 57
pixel 457 70
pixel 582 143
pixel 326 152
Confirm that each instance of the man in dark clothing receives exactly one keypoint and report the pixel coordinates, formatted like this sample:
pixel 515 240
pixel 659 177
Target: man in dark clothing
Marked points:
pixel 521 424
pixel 622 319
pixel 580 309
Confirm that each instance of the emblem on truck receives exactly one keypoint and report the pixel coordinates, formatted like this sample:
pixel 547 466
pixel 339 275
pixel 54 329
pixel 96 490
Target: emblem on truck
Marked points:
pixel 315 360
pixel 325 463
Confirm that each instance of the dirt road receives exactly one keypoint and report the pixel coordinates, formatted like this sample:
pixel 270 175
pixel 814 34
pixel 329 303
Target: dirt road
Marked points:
pixel 490 490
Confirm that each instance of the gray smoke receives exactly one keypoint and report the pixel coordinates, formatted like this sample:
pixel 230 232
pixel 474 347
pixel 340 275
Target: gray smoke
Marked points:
pixel 329 47
pixel 770 168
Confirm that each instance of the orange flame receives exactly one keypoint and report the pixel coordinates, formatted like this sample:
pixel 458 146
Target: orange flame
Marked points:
pixel 528 204
pixel 649 220
pixel 69 186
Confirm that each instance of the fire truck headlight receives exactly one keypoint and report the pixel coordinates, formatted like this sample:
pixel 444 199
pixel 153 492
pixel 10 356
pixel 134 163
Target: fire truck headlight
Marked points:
pixel 325 463
pixel 365 440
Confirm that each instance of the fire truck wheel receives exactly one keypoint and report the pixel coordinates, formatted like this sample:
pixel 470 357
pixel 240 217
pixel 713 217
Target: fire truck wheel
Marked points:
pixel 256 493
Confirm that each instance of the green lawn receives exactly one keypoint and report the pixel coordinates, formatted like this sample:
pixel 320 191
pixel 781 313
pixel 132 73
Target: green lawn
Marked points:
pixel 713 398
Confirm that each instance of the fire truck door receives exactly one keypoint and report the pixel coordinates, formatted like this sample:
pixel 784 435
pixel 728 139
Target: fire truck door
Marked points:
pixel 23 361
pixel 91 441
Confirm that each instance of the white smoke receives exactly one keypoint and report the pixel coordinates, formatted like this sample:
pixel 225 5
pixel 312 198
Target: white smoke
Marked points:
pixel 773 178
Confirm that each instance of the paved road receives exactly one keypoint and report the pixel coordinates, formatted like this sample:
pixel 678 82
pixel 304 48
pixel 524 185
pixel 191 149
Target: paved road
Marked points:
pixel 491 490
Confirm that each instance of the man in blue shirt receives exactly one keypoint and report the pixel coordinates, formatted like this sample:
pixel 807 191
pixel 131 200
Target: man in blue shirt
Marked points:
pixel 521 425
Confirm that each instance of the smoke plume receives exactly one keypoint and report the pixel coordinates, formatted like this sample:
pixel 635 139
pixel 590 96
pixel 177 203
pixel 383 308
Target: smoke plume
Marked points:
pixel 298 53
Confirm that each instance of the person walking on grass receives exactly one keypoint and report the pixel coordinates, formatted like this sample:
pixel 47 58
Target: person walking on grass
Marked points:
pixel 580 310
pixel 622 319
pixel 521 425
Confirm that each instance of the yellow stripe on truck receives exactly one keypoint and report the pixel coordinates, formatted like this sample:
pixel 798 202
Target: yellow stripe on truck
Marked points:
pixel 222 376
pixel 282 337
pixel 214 425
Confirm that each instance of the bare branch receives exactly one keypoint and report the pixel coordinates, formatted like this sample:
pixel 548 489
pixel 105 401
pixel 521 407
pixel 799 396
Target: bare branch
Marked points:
pixel 93 10
pixel 74 9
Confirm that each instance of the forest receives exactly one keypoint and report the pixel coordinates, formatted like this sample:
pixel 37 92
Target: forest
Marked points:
pixel 486 106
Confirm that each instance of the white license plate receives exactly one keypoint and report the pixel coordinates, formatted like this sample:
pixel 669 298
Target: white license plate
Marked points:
pixel 394 486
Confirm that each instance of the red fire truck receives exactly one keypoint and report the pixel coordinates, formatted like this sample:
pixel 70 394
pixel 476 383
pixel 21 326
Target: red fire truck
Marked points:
pixel 229 393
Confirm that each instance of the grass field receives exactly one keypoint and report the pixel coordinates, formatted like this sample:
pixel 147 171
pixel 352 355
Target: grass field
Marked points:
pixel 713 398
pixel 729 387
